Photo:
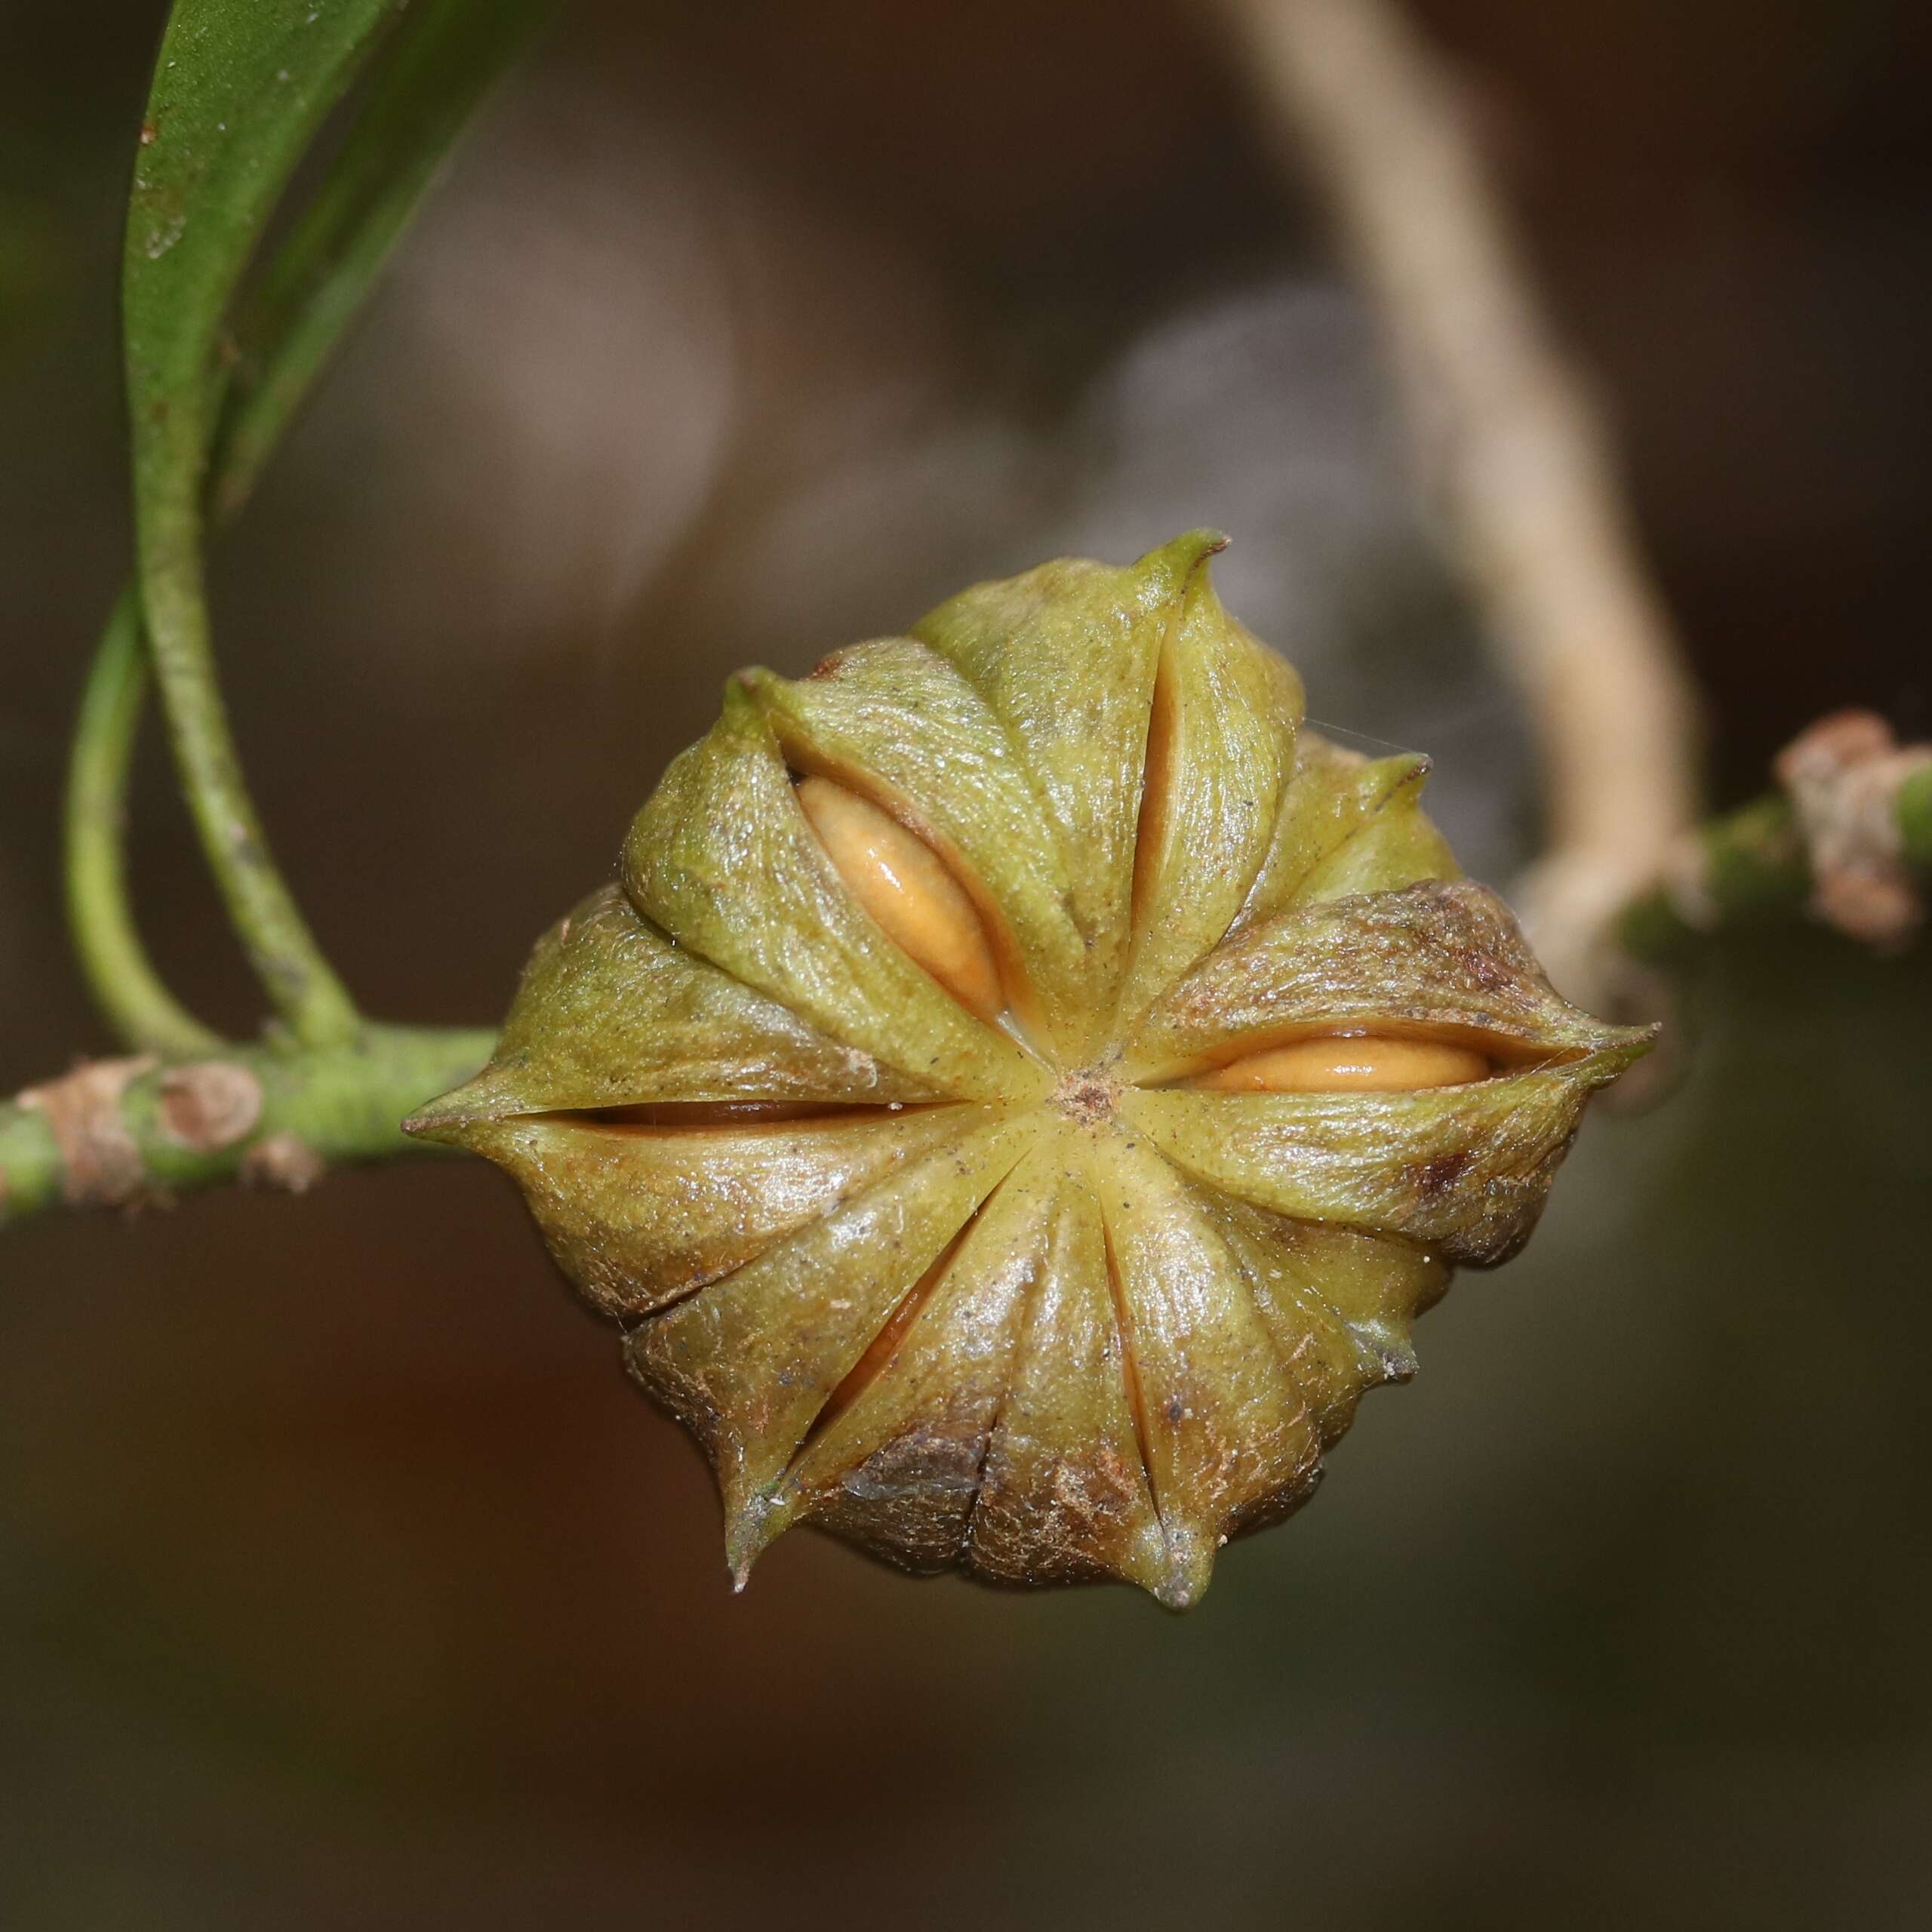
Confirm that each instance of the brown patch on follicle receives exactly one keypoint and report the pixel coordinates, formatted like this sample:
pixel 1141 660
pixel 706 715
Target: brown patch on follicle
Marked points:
pixel 1435 1178
pixel 1485 970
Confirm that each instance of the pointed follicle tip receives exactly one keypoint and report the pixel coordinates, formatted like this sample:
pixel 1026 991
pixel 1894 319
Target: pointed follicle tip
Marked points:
pixel 1190 1569
pixel 430 1124
pixel 738 1558
pixel 451 1118
pixel 750 1532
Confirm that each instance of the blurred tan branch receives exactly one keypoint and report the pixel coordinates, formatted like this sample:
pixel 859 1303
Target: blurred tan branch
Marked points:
pixel 1512 458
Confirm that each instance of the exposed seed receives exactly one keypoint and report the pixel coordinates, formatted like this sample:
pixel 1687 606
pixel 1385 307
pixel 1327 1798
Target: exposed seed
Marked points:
pixel 903 884
pixel 1157 787
pixel 1361 1063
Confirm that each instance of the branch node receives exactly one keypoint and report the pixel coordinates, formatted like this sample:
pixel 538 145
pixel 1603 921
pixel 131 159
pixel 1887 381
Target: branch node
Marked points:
pixel 1845 776
pixel 283 1161
pixel 101 1161
pixel 209 1105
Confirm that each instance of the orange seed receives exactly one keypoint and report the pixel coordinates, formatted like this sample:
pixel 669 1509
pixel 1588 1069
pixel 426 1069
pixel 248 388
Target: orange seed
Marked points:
pixel 1359 1064
pixel 903 884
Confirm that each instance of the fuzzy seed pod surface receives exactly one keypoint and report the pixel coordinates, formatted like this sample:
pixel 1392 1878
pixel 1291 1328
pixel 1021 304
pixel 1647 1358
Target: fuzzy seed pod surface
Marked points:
pixel 1022 1086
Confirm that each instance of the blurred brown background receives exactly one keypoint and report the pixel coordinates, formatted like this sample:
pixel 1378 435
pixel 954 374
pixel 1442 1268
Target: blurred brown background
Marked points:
pixel 343 1579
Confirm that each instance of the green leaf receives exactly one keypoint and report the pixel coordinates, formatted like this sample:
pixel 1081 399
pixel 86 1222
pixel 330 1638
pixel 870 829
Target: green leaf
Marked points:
pixel 239 88
pixel 443 60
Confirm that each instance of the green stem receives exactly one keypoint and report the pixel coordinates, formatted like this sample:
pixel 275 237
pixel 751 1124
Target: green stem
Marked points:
pixel 1915 820
pixel 239 92
pixel 193 1112
pixel 300 983
pixel 120 1133
pixel 1751 869
pixel 125 984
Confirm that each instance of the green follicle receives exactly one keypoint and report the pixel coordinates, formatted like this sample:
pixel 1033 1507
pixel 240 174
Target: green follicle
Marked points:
pixel 1077 1300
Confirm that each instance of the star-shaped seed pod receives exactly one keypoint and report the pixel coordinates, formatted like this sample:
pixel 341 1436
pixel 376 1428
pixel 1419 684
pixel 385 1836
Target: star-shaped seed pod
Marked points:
pixel 1024 1086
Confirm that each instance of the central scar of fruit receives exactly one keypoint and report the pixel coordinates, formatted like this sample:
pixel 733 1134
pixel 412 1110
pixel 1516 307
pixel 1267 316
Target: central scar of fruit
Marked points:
pixel 1022 1086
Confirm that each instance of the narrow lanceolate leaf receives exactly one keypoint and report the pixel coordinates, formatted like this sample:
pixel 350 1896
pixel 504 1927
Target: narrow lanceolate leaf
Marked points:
pixel 439 64
pixel 1265 1071
pixel 239 88
pixel 445 59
